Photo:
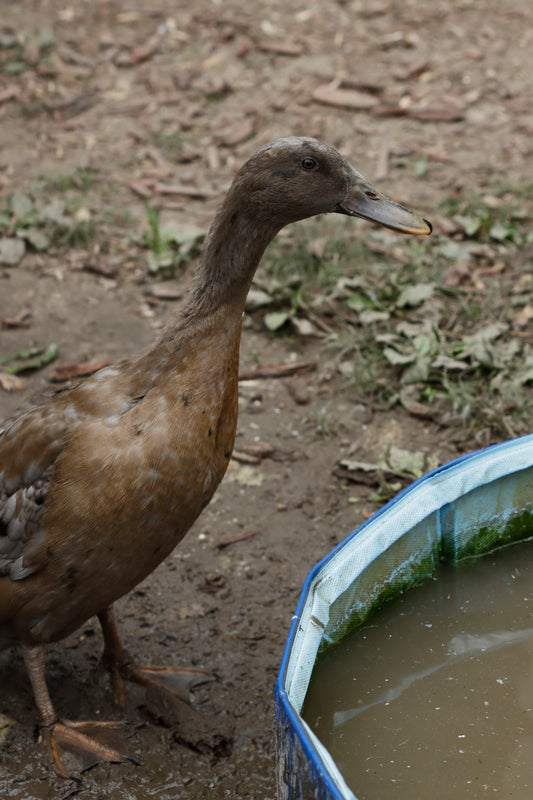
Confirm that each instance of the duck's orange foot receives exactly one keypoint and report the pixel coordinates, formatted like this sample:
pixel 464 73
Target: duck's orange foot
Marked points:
pixel 167 692
pixel 76 747
pixel 175 681
pixel 178 681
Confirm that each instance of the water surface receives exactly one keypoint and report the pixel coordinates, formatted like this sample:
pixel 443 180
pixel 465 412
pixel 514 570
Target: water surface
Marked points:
pixel 433 697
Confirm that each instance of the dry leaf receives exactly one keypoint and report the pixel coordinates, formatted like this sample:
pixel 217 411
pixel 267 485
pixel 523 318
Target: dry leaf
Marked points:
pixel 281 48
pixel 6 723
pixel 164 291
pixel 8 94
pixel 238 132
pixel 259 449
pixel 344 98
pixel 245 475
pixel 185 191
pixel 415 295
pixel 11 383
pixel 406 461
pixel 523 317
pixel 66 372
pixel 299 394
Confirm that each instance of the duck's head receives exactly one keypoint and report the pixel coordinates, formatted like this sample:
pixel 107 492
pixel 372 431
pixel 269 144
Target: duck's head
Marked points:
pixel 299 177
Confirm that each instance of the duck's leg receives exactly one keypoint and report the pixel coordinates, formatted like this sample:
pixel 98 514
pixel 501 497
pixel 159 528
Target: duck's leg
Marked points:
pixel 176 680
pixel 66 734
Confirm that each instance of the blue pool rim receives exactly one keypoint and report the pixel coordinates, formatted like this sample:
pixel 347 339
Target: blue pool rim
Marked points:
pixel 286 715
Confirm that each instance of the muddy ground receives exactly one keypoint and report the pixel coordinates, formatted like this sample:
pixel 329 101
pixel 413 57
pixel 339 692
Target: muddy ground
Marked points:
pixel 110 105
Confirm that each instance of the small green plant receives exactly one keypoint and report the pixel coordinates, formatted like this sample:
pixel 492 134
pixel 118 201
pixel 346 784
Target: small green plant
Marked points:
pixel 32 358
pixel 325 426
pixel 14 59
pixel 169 245
pixel 152 237
pixel 170 143
pixel 501 215
pixel 217 96
pixel 29 220
pixel 76 233
pixel 80 180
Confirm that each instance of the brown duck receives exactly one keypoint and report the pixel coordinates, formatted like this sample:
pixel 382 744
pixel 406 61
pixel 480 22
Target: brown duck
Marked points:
pixel 99 484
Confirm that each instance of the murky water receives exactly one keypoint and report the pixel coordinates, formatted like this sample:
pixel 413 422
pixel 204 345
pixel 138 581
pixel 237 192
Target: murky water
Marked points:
pixel 434 697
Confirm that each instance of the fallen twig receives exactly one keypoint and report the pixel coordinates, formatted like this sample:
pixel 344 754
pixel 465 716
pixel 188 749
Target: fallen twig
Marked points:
pixel 138 187
pixel 8 94
pixel 73 106
pixel 245 458
pixel 20 320
pixel 423 114
pixel 98 268
pixel 382 168
pixel 239 537
pixel 186 191
pixel 276 370
pixel 281 48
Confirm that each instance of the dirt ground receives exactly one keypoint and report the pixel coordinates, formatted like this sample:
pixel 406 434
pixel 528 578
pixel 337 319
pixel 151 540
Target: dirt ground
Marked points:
pixel 161 102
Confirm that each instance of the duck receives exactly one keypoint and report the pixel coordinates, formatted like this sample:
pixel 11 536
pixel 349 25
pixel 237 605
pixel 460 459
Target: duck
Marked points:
pixel 99 483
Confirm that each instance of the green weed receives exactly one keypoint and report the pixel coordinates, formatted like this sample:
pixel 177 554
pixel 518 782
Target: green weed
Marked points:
pixel 501 215
pixel 80 180
pixel 169 245
pixel 169 142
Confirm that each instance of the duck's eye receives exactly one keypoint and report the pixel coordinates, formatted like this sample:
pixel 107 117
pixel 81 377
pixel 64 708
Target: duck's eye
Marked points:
pixel 309 163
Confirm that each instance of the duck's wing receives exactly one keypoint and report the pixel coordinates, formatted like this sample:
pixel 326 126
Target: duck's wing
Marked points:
pixel 30 446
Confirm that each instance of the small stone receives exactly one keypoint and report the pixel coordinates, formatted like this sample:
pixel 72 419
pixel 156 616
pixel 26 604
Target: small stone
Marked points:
pixel 11 251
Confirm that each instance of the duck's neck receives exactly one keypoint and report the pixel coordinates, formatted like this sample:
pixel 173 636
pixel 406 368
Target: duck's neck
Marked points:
pixel 232 251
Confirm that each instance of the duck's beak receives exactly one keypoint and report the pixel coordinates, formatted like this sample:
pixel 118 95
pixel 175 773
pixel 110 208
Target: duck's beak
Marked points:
pixel 362 200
